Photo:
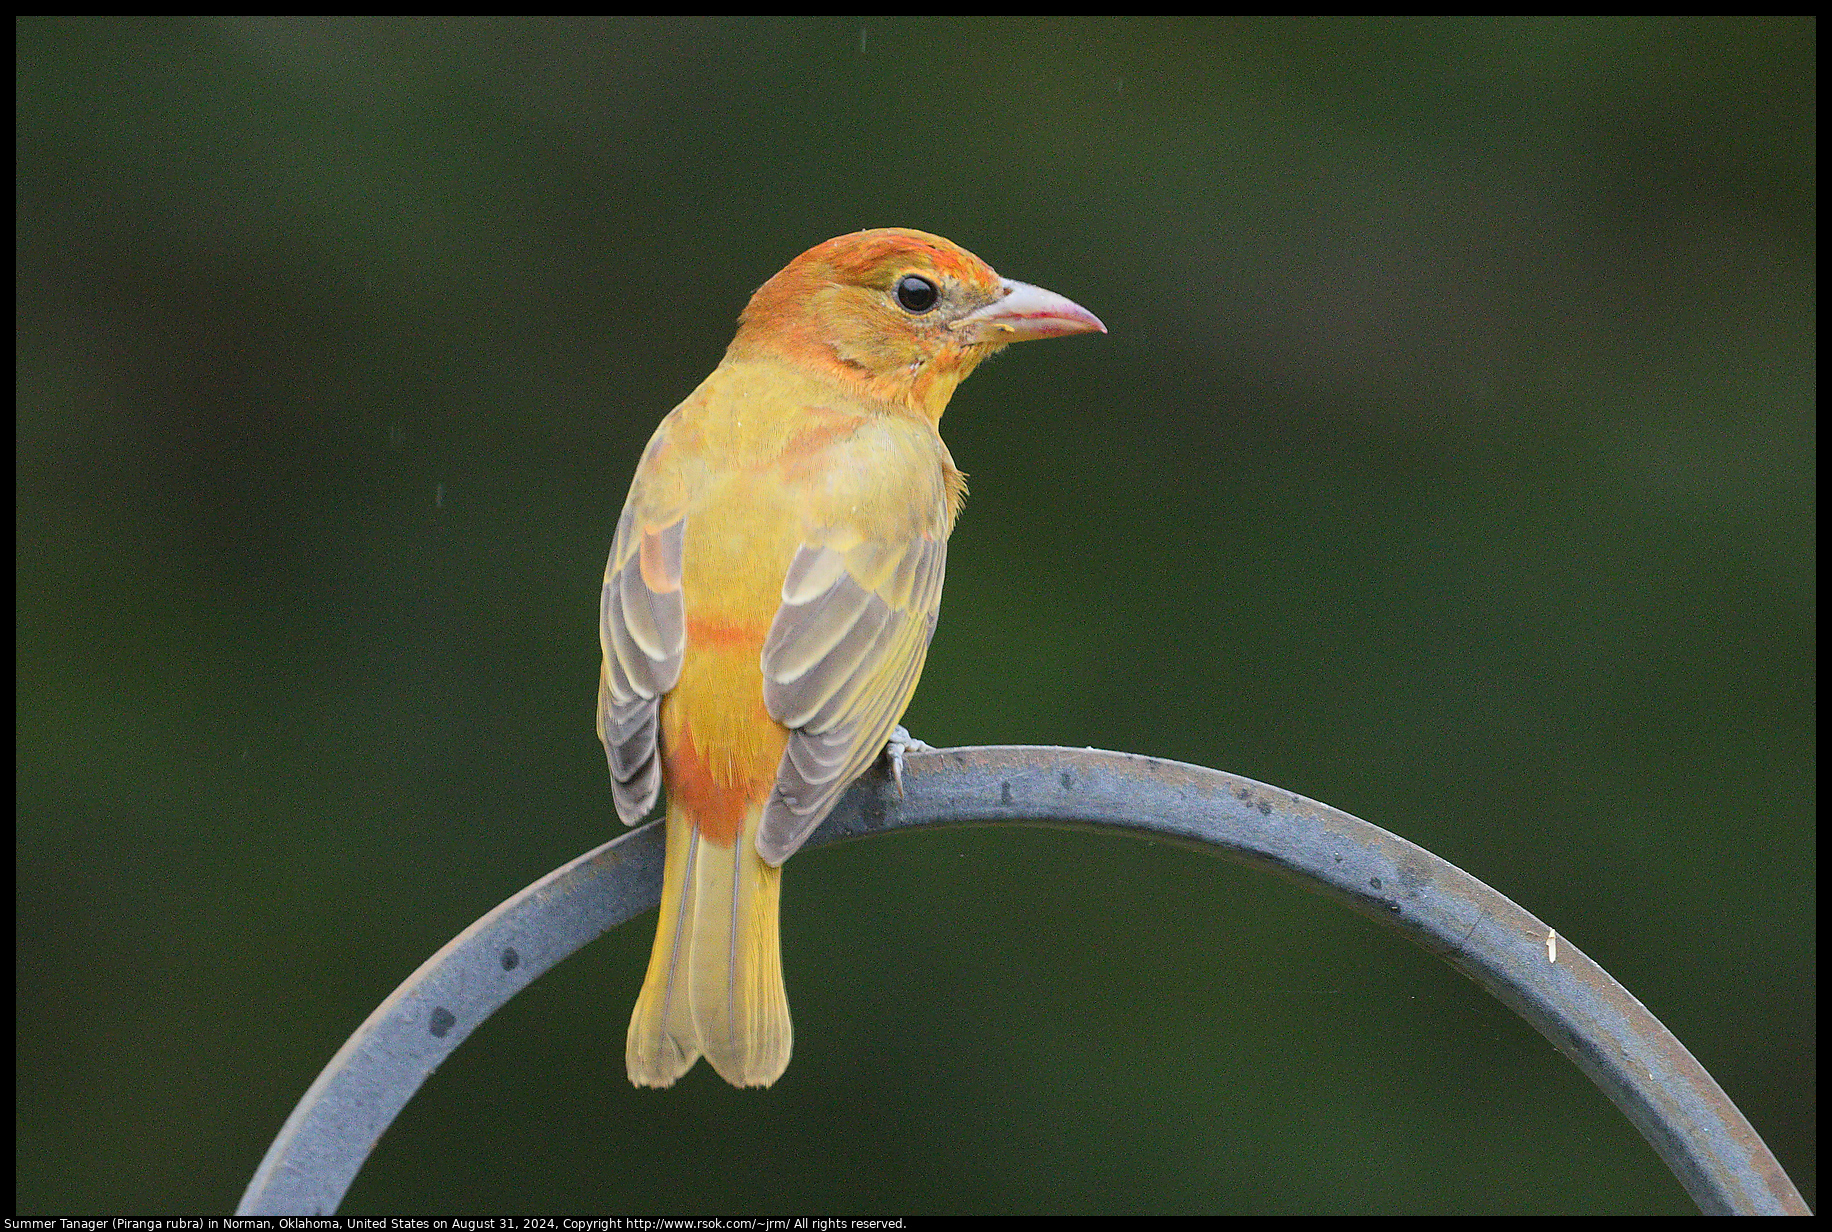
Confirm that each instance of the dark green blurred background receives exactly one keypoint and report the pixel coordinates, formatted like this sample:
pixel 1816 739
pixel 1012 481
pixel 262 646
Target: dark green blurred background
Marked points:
pixel 1450 460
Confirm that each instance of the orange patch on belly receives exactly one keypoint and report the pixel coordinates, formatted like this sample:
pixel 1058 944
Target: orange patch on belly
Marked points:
pixel 720 747
pixel 715 797
pixel 720 633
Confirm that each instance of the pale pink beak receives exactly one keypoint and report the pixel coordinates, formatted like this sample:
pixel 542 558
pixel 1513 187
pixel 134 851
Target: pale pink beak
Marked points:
pixel 1026 312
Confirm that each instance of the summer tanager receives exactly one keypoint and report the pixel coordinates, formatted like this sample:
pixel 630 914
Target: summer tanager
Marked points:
pixel 771 592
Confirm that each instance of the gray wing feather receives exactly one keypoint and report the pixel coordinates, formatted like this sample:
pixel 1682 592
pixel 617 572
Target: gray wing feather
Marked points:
pixel 839 666
pixel 642 633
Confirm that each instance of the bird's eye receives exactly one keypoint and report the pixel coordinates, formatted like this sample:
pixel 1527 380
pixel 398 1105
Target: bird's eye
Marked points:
pixel 916 293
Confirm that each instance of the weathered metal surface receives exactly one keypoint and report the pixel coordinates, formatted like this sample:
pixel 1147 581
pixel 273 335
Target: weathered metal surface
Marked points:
pixel 1710 1146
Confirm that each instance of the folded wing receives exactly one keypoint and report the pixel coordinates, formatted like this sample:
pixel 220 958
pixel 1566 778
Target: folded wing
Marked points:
pixel 642 633
pixel 839 667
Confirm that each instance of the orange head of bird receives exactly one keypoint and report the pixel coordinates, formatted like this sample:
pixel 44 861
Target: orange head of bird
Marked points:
pixel 898 316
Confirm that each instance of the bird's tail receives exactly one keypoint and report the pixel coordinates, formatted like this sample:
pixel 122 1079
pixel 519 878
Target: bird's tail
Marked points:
pixel 714 987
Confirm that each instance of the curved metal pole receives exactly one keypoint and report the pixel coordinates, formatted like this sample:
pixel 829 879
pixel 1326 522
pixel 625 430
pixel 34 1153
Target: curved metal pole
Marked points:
pixel 1574 1003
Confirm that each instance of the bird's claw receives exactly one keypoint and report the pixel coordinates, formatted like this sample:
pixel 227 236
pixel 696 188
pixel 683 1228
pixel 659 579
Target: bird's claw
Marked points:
pixel 902 742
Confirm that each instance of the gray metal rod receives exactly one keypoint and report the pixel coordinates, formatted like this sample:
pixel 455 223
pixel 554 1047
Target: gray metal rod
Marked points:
pixel 1713 1150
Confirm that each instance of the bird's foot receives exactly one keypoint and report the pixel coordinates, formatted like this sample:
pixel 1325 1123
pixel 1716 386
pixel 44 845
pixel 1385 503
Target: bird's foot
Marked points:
pixel 902 742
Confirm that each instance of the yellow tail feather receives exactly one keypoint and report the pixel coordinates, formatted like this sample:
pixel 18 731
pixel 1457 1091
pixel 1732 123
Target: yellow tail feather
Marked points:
pixel 714 986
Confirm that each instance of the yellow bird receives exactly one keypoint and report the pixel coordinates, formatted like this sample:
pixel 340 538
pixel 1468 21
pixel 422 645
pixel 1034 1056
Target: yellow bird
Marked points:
pixel 772 588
